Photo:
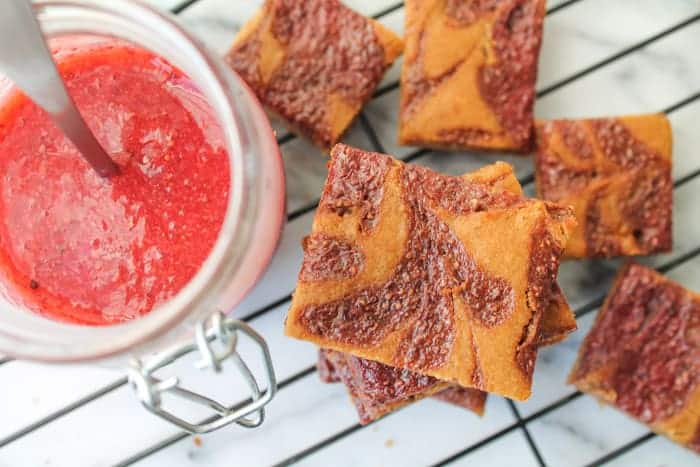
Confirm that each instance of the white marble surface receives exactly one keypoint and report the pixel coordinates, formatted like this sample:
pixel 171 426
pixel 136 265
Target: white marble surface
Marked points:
pixel 658 452
pixel 306 412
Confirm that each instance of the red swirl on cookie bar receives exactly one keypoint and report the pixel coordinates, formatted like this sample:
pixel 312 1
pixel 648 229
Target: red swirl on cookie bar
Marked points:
pixel 314 63
pixel 456 276
pixel 479 94
pixel 643 354
pixel 616 174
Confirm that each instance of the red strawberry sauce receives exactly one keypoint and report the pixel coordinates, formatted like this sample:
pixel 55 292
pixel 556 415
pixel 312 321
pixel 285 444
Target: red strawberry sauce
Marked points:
pixel 82 249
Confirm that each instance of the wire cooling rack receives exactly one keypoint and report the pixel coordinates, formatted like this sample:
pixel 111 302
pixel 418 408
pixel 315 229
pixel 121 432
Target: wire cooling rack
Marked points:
pixel 640 70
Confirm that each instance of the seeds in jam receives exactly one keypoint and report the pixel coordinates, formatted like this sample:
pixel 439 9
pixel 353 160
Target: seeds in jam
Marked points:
pixel 86 250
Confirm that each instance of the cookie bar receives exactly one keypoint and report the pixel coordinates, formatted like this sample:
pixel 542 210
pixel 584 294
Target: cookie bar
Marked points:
pixel 616 174
pixel 378 389
pixel 467 398
pixel 643 354
pixel 558 320
pixel 314 63
pixel 469 72
pixel 445 276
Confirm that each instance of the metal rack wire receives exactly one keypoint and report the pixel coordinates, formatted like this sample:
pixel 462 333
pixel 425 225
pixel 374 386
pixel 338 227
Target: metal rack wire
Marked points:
pixel 521 422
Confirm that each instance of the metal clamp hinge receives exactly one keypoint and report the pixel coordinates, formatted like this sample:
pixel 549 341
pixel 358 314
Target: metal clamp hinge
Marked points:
pixel 222 332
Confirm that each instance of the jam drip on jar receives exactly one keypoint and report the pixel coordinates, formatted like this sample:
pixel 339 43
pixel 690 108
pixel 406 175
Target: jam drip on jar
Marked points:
pixel 434 270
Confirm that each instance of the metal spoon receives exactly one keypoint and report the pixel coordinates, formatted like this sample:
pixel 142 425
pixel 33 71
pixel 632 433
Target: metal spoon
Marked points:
pixel 26 60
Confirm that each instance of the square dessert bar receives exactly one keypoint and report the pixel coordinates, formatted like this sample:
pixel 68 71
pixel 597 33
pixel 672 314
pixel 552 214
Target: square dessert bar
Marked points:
pixel 445 276
pixel 558 320
pixel 643 354
pixel 314 63
pixel 377 389
pixel 469 72
pixel 616 174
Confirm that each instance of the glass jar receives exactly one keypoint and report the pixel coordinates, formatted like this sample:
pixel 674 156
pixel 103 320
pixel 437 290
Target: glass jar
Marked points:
pixel 254 215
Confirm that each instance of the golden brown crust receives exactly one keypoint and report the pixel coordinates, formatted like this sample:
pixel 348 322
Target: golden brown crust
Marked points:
pixel 316 82
pixel 643 353
pixel 468 314
pixel 480 94
pixel 616 174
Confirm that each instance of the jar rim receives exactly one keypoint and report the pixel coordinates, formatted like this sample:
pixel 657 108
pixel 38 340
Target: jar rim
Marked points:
pixel 39 338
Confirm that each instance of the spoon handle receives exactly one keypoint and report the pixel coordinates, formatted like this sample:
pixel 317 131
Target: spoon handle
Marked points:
pixel 26 60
